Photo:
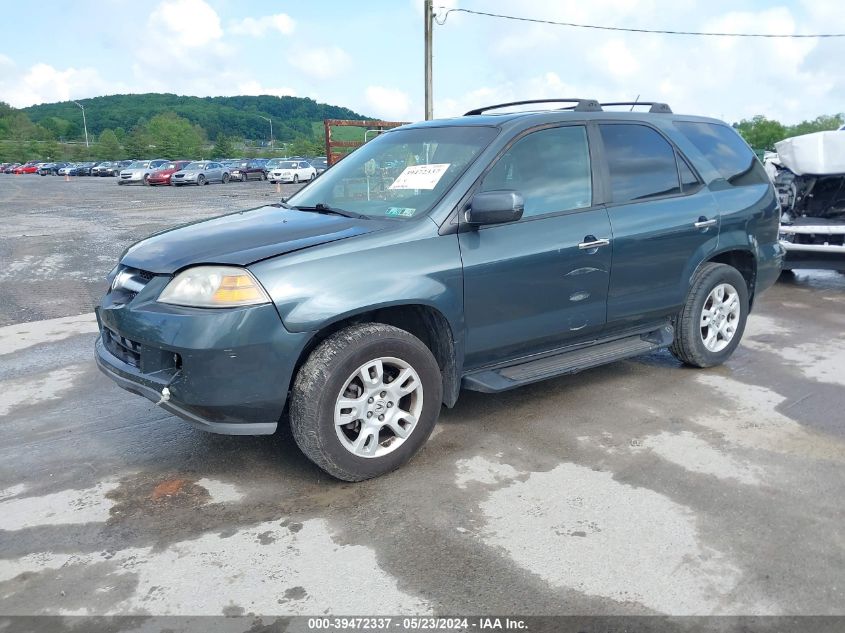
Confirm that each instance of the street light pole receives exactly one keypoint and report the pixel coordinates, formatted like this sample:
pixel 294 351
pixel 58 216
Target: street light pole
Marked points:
pixel 429 24
pixel 271 128
pixel 84 124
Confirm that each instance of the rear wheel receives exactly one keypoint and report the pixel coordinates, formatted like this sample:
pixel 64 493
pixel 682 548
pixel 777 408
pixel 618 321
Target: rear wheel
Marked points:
pixel 225 179
pixel 365 401
pixel 146 179
pixel 710 325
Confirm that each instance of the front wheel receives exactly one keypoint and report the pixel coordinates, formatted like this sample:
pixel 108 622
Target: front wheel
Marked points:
pixel 295 179
pixel 225 179
pixel 710 325
pixel 365 401
pixel 200 180
pixel 146 179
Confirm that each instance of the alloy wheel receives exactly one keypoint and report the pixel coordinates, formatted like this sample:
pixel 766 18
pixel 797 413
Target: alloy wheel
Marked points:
pixel 720 317
pixel 378 407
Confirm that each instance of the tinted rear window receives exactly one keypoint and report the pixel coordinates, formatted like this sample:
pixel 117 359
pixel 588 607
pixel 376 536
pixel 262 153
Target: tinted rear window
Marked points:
pixel 726 151
pixel 641 163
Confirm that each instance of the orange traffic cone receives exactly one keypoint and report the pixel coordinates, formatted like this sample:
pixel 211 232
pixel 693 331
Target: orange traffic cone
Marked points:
pixel 67 178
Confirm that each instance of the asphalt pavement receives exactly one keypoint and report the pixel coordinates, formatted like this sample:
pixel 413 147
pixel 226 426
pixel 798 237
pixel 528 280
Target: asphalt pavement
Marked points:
pixel 641 487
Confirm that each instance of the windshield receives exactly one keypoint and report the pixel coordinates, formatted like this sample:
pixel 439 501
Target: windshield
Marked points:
pixel 139 164
pixel 274 162
pixel 170 166
pixel 287 165
pixel 195 166
pixel 400 174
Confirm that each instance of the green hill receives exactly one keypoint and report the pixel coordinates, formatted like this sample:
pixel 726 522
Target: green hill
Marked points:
pixel 293 117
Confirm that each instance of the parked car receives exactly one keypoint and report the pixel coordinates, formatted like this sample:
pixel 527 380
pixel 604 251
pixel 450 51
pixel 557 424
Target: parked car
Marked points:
pixel 163 175
pixel 47 169
pixel 71 169
pixel 319 163
pixel 10 168
pixel 84 169
pixel 140 170
pixel 292 171
pixel 95 168
pixel 27 168
pixel 106 168
pixel 119 166
pixel 252 169
pixel 529 245
pixel 200 173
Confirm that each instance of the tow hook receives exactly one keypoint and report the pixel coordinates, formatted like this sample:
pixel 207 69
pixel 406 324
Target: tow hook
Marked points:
pixel 165 396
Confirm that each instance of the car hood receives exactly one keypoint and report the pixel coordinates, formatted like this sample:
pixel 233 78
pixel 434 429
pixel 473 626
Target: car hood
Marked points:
pixel 242 238
pixel 163 172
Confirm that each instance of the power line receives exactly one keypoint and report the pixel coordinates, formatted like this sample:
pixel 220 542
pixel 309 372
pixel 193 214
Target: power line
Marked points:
pixel 442 20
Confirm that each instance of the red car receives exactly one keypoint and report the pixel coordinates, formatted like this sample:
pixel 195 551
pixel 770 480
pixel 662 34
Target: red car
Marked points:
pixel 162 176
pixel 28 168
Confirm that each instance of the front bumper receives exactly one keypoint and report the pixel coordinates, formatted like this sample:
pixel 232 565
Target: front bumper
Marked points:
pixel 132 177
pixel 227 370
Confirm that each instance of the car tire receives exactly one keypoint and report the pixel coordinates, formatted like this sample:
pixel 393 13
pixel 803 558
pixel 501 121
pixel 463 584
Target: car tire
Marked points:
pixel 296 179
pixel 709 326
pixel 120 182
pixel 313 176
pixel 200 180
pixel 335 370
pixel 146 179
pixel 225 179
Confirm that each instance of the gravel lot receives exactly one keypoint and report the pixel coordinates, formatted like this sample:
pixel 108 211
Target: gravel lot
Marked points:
pixel 637 488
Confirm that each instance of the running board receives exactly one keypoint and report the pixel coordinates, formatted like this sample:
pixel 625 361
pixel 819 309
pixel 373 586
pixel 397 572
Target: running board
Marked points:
pixel 568 362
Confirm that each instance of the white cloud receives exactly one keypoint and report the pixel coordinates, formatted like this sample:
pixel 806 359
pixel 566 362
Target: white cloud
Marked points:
pixel 258 27
pixel 253 87
pixel 388 103
pixel 185 23
pixel 325 63
pixel 730 78
pixel 42 83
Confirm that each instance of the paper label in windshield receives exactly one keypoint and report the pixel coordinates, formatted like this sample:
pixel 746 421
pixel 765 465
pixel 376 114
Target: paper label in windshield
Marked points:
pixel 420 176
pixel 400 212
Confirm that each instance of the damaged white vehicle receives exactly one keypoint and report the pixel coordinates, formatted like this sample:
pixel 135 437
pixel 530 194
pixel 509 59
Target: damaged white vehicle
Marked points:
pixel 809 175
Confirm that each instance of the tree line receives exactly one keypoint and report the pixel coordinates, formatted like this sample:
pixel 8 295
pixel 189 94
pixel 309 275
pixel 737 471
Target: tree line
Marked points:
pixel 137 126
pixel 762 133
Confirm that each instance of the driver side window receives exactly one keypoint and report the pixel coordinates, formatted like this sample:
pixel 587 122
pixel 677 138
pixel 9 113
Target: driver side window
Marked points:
pixel 550 168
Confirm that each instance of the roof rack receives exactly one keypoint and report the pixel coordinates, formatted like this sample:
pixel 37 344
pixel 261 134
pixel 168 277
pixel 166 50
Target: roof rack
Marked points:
pixel 581 105
pixel 656 106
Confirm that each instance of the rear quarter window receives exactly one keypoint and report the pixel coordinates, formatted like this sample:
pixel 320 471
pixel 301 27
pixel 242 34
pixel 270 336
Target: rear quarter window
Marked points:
pixel 726 151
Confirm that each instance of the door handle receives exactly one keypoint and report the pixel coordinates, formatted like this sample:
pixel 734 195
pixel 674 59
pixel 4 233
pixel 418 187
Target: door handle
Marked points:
pixel 591 243
pixel 704 223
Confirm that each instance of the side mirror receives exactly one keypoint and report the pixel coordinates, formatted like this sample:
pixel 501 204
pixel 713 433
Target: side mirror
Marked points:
pixel 495 207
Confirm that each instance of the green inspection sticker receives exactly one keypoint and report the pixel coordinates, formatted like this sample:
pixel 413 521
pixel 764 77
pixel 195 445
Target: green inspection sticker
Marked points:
pixel 400 212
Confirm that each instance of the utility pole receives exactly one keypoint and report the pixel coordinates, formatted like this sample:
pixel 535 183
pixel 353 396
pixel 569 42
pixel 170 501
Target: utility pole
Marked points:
pixel 429 25
pixel 84 124
pixel 271 128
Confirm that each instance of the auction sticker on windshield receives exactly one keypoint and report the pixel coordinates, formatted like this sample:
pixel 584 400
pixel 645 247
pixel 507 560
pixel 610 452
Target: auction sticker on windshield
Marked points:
pixel 420 176
pixel 400 212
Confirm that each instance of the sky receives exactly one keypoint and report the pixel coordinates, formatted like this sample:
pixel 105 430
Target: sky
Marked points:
pixel 368 55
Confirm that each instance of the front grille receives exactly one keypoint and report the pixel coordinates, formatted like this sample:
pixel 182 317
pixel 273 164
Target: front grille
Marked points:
pixel 126 350
pixel 128 283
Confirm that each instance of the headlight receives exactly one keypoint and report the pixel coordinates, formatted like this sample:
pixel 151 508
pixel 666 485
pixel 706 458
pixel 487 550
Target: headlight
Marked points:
pixel 214 287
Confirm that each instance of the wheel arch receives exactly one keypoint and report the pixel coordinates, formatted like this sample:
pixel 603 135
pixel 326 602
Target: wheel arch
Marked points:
pixel 424 321
pixel 743 260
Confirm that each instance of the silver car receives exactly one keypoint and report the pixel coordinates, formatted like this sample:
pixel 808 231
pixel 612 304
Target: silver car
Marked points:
pixel 200 173
pixel 140 171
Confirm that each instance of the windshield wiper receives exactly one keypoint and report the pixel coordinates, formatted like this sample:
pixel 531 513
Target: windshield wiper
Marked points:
pixel 324 208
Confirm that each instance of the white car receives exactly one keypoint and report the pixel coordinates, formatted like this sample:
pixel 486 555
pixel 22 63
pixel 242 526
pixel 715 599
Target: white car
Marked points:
pixel 292 171
pixel 140 170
